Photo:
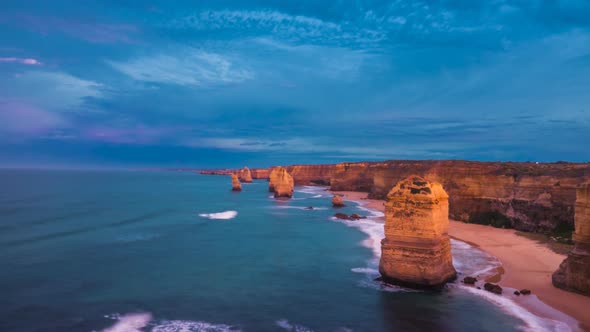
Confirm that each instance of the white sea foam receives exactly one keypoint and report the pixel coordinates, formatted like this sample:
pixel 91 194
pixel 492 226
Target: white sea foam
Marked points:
pixel 312 190
pixel 285 325
pixel 192 326
pixel 471 261
pixel 365 270
pixel 130 322
pixel 220 215
pixel 532 322
pixel 299 207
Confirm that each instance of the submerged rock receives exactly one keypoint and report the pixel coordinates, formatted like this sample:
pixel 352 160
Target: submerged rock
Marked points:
pixel 525 291
pixel 469 280
pixel 235 183
pixel 493 288
pixel 342 216
pixel 416 250
pixel 309 208
pixel 574 272
pixel 337 201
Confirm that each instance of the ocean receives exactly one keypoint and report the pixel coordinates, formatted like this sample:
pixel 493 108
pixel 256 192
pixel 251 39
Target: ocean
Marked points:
pixel 123 251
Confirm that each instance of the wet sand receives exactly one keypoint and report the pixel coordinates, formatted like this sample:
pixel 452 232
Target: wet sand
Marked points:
pixel 525 264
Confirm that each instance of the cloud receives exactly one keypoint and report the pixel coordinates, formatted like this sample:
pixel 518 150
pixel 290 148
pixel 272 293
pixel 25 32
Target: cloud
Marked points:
pixel 81 29
pixel 277 23
pixel 21 118
pixel 188 66
pixel 23 61
pixel 52 90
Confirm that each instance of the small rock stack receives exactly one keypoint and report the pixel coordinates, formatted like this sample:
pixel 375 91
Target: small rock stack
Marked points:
pixel 245 175
pixel 235 183
pixel 337 201
pixel 281 183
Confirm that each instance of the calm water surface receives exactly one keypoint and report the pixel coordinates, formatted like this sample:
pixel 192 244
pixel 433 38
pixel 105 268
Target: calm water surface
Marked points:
pixel 128 251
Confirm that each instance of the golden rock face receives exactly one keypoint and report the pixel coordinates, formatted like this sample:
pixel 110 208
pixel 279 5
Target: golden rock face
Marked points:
pixel 281 182
pixel 337 201
pixel 235 183
pixel 416 250
pixel 574 273
pixel 245 175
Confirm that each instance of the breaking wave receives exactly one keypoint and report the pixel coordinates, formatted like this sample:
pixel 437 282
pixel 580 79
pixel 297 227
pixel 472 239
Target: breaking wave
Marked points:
pixel 285 325
pixel 143 322
pixel 220 215
pixel 129 322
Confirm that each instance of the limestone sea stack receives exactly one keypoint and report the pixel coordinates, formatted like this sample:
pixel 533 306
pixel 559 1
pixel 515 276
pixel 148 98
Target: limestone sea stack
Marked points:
pixel 337 201
pixel 245 175
pixel 281 183
pixel 416 250
pixel 235 183
pixel 574 273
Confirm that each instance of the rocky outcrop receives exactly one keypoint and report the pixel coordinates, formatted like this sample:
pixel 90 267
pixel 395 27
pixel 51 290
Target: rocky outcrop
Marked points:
pixel 526 196
pixel 416 250
pixel 574 273
pixel 235 183
pixel 281 183
pixel 245 175
pixel 337 201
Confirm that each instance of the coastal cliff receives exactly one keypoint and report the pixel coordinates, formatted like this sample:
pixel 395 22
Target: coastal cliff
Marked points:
pixel 527 196
pixel 416 250
pixel 574 273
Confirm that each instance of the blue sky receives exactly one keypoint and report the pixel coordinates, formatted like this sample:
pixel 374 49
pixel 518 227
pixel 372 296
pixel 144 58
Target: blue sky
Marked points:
pixel 226 83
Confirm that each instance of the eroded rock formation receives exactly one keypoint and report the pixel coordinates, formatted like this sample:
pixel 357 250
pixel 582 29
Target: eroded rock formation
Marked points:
pixel 245 175
pixel 416 250
pixel 235 183
pixel 526 196
pixel 574 273
pixel 281 182
pixel 337 201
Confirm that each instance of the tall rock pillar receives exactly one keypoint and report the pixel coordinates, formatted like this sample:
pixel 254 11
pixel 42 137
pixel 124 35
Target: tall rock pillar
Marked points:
pixel 574 273
pixel 416 250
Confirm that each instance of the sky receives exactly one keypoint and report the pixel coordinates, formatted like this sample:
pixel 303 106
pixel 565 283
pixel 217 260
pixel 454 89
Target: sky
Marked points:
pixel 219 83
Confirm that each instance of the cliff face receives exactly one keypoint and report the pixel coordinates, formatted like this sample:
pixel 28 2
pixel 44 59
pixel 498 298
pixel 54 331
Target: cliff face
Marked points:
pixel 260 173
pixel 235 183
pixel 416 250
pixel 574 273
pixel 245 175
pixel 281 183
pixel 311 174
pixel 528 196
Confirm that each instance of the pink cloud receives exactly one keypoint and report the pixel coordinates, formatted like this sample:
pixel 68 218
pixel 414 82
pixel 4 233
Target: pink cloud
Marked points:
pixel 85 30
pixel 139 134
pixel 22 118
pixel 23 61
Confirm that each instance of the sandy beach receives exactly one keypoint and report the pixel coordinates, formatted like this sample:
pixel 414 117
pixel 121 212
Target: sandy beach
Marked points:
pixel 525 262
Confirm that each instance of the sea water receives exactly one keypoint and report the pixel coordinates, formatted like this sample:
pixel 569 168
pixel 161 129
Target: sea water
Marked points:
pixel 115 251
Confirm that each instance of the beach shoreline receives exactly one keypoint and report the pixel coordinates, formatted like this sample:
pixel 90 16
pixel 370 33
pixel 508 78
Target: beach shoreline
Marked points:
pixel 525 264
